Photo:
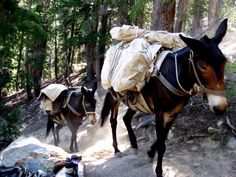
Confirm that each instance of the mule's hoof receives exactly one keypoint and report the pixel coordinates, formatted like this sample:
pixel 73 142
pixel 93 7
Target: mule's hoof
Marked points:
pixel 149 159
pixel 118 154
pixel 134 151
pixel 159 173
pixel 151 154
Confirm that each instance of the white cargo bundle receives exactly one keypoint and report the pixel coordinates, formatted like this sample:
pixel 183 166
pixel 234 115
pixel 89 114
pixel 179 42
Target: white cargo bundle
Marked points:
pixel 129 64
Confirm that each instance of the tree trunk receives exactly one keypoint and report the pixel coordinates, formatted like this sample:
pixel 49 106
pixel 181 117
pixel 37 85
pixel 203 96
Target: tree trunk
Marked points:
pixel 212 12
pixel 163 15
pixel 102 41
pixel 27 67
pixel 91 45
pixel 197 17
pixel 38 56
pixel 27 75
pixel 180 17
pixel 56 57
pixel 122 15
pixel 20 58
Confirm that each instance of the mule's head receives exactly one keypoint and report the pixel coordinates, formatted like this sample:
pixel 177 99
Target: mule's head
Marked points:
pixel 89 102
pixel 209 63
pixel 53 107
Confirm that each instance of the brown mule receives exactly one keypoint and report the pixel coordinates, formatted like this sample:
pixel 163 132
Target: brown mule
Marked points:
pixel 201 62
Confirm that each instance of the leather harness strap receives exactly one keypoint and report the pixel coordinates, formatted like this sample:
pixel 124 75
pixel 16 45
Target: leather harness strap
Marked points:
pixel 170 87
pixel 73 110
pixel 178 92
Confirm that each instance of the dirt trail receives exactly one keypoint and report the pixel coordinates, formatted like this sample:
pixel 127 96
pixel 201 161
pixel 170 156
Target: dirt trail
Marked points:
pixel 199 156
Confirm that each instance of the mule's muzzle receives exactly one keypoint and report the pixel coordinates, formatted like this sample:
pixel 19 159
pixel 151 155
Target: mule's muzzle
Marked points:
pixel 48 112
pixel 93 119
pixel 217 104
pixel 218 110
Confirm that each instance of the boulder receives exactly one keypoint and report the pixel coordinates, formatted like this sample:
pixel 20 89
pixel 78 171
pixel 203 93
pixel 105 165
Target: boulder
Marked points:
pixel 30 153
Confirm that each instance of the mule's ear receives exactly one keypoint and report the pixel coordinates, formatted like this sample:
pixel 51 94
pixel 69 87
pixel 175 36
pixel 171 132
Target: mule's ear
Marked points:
pixel 193 44
pixel 41 95
pixel 94 88
pixel 221 31
pixel 83 90
pixel 64 93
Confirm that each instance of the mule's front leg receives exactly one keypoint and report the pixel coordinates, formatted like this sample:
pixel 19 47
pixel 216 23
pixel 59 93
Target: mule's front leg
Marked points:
pixel 73 144
pixel 56 134
pixel 163 125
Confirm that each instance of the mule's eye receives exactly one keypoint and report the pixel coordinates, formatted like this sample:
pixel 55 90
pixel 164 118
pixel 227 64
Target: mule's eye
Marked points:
pixel 87 103
pixel 202 67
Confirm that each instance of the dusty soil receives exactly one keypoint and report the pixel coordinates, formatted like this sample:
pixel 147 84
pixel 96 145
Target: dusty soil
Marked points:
pixel 192 150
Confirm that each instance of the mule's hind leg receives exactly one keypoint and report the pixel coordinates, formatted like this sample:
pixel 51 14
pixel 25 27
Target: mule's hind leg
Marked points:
pixel 114 138
pixel 127 120
pixel 113 121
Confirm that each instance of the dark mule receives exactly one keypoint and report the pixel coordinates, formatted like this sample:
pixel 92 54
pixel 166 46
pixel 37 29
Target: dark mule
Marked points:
pixel 167 93
pixel 69 108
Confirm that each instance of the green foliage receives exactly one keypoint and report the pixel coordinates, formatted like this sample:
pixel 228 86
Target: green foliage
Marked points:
pixel 140 6
pixel 231 86
pixel 8 128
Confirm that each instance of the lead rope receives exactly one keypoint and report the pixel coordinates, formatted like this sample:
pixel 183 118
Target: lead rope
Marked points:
pixel 177 77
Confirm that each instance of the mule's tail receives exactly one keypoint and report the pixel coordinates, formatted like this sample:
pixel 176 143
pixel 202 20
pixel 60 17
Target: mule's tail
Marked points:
pixel 107 106
pixel 50 126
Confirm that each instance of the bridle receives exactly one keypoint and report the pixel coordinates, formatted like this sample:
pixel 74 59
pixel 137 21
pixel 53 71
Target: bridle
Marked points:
pixel 86 112
pixel 202 87
pixel 182 91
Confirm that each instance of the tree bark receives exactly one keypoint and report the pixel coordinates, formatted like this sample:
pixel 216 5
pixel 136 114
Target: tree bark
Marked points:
pixel 38 56
pixel 163 15
pixel 197 17
pixel 102 41
pixel 20 58
pixel 56 57
pixel 122 15
pixel 27 75
pixel 180 16
pixel 91 45
pixel 27 67
pixel 212 12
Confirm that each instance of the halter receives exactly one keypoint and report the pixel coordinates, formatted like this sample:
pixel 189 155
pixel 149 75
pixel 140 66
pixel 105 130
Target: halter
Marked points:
pixel 202 87
pixel 73 110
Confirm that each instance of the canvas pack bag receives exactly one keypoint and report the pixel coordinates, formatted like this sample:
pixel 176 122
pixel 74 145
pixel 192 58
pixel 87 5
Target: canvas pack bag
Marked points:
pixel 128 65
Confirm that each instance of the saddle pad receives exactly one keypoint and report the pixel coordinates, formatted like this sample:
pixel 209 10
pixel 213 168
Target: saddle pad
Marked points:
pixel 52 91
